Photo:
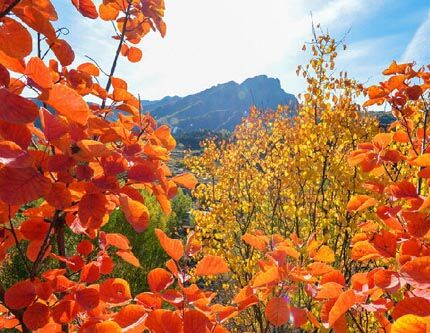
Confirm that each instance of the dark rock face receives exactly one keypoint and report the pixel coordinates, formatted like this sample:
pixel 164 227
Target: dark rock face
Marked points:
pixel 220 107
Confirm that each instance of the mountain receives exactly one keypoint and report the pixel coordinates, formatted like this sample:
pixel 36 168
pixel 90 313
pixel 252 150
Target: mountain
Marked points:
pixel 219 107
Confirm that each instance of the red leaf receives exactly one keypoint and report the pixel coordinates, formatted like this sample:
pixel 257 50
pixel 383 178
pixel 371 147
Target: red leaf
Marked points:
pixel 159 279
pixel 19 186
pixel 15 40
pixel 52 128
pixel 64 312
pixel 20 295
pixel 278 311
pixel 88 298
pixel 417 272
pixel 16 109
pixel 415 305
pixel 63 51
pixel 36 316
pixel 86 8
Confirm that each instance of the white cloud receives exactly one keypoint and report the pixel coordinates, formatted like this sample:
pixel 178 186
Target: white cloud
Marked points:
pixel 210 42
pixel 418 48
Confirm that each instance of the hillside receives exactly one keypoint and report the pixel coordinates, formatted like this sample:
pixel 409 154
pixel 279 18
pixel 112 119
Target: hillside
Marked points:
pixel 219 107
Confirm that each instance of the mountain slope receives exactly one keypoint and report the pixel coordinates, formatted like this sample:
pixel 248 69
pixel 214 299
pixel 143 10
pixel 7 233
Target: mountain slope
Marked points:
pixel 219 107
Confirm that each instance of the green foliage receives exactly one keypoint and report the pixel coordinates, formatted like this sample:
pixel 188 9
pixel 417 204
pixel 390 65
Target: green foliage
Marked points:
pixel 145 245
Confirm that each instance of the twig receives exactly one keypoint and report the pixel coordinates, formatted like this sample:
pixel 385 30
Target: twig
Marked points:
pixel 12 229
pixel 98 66
pixel 118 51
pixel 9 8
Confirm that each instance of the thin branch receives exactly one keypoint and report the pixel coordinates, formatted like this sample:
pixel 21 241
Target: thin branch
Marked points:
pixel 98 66
pixel 118 51
pixel 44 247
pixel 9 8
pixel 12 229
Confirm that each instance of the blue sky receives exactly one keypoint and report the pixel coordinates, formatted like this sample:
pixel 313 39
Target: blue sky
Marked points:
pixel 215 41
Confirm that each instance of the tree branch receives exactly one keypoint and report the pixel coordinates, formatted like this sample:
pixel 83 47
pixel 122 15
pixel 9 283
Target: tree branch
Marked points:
pixel 9 8
pixel 118 51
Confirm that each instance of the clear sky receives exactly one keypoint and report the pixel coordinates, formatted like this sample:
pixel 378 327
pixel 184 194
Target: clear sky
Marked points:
pixel 215 41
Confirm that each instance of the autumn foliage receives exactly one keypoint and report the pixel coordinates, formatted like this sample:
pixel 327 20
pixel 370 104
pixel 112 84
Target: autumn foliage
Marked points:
pixel 66 165
pixel 313 221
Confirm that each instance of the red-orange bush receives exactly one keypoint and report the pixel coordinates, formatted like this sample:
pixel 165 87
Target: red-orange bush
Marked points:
pixel 75 168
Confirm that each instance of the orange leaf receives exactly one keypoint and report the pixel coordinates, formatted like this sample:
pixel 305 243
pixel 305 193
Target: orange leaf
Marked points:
pixel 119 241
pixel 265 278
pixel 134 54
pixel 173 247
pixel 363 250
pixel 159 279
pixel 20 295
pixel 164 321
pixel 36 316
pixel 278 311
pixel 376 92
pixel 329 290
pixel 16 109
pixel 93 148
pixel 324 254
pixel 115 291
pixel 396 68
pixel 186 180
pixel 108 12
pixel 421 161
pixel 14 64
pixel 260 243
pixel 129 257
pixel 417 272
pixel 59 196
pixel 15 40
pixel 68 103
pixel 344 302
pixel 103 327
pixel 131 315
pixel 89 68
pixel 195 321
pixel 19 186
pixel 360 202
pixel 135 212
pixel 211 265
pixel 164 135
pixel 411 324
pixel 39 73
